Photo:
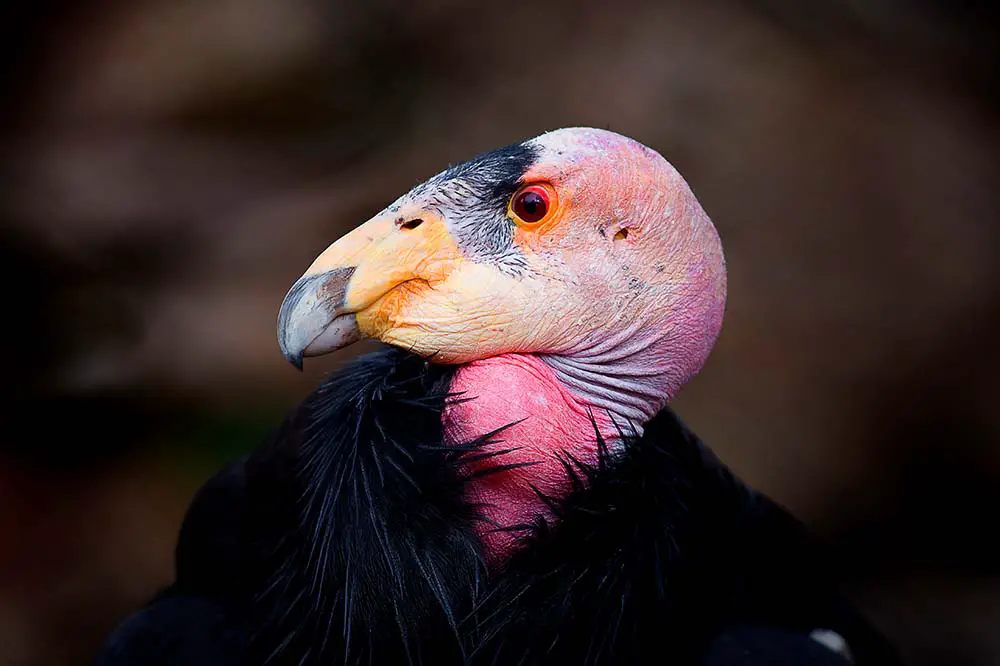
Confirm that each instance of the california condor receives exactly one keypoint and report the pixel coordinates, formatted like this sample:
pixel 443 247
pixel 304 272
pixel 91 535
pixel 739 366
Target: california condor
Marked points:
pixel 505 482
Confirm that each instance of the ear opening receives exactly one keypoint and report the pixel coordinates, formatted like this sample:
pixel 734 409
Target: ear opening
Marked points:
pixel 621 234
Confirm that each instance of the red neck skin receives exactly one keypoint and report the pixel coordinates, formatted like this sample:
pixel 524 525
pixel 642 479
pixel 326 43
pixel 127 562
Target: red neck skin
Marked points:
pixel 503 390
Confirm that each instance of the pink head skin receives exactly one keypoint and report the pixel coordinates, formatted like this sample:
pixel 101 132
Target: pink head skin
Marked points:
pixel 663 271
pixel 605 307
pixel 642 246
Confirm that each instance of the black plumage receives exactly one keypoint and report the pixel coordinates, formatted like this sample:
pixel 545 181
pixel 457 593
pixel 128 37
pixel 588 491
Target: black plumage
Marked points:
pixel 347 540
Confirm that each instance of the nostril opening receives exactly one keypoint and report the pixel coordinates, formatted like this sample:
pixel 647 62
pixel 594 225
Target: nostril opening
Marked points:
pixel 412 224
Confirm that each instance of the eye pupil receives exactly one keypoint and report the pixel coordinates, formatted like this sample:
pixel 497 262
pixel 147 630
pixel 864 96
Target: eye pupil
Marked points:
pixel 531 205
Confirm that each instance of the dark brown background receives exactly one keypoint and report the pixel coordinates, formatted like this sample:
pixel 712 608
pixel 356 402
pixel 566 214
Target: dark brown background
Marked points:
pixel 169 168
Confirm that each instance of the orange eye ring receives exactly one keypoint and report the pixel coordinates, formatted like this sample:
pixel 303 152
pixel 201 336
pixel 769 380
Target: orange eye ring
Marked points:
pixel 533 204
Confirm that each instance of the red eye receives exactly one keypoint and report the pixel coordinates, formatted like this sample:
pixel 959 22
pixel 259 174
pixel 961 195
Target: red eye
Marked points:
pixel 531 204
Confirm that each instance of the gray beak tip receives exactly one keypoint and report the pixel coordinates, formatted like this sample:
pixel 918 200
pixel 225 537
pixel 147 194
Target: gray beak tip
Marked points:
pixel 292 355
pixel 309 321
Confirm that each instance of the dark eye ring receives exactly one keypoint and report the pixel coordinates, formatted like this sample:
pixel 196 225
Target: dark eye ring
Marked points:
pixel 531 204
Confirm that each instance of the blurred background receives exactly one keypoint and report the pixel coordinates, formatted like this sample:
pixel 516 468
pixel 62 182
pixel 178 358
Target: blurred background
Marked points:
pixel 169 168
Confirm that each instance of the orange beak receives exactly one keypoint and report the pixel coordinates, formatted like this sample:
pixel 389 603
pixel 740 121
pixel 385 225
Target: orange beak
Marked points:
pixel 330 306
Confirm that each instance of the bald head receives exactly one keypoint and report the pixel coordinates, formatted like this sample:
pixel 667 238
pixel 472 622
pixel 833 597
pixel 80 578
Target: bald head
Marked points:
pixel 581 246
pixel 648 253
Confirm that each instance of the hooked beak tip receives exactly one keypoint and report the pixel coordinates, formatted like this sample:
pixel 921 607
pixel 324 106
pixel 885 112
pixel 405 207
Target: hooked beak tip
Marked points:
pixel 292 353
pixel 310 320
pixel 295 360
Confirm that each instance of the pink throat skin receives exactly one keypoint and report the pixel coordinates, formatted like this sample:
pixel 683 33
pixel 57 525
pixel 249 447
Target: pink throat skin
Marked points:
pixel 506 389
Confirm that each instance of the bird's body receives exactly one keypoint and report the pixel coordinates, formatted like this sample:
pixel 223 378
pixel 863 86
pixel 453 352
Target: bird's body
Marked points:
pixel 655 558
pixel 526 497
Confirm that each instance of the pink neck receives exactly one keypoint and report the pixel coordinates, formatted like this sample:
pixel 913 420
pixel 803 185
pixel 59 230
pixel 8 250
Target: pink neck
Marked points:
pixel 503 390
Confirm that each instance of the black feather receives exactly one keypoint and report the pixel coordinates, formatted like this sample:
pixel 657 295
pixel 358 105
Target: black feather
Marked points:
pixel 662 552
pixel 475 195
pixel 177 629
pixel 369 522
pixel 347 540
